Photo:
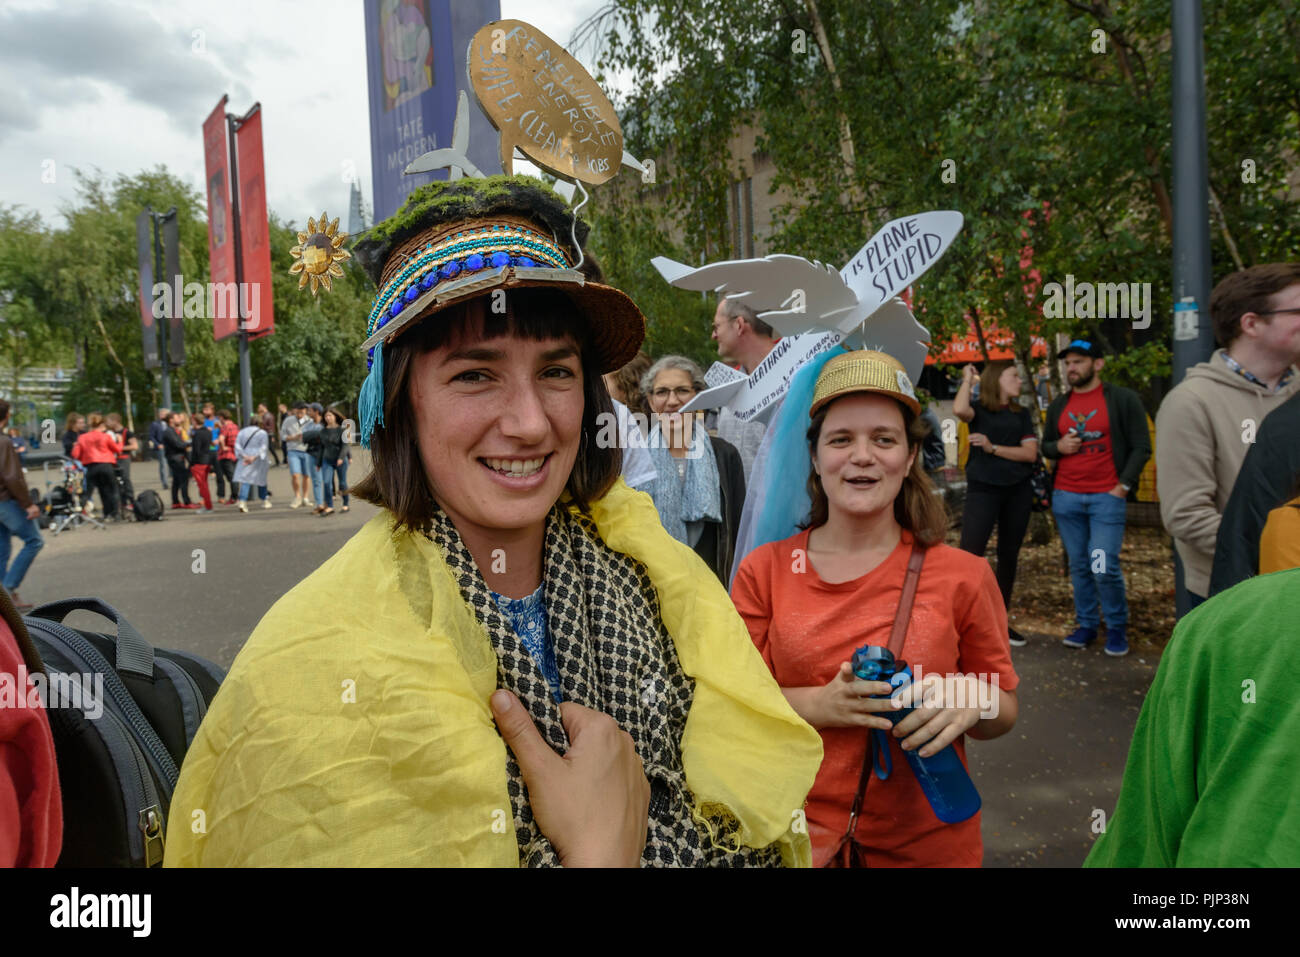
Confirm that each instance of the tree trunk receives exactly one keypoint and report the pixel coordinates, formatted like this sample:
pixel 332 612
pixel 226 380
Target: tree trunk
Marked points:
pixel 126 379
pixel 846 131
pixel 979 332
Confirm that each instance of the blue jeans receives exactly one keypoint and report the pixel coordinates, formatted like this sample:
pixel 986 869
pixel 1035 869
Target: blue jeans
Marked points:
pixel 299 462
pixel 1092 529
pixel 14 521
pixel 314 472
pixel 162 468
pixel 327 471
pixel 245 490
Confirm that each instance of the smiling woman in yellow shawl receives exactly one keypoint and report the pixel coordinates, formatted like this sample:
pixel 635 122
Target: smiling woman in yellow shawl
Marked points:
pixel 362 723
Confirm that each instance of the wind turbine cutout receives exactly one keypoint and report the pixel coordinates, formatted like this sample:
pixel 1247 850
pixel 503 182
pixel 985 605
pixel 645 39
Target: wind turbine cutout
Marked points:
pixel 814 308
pixel 455 157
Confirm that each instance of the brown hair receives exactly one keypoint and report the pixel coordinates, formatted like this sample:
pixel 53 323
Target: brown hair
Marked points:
pixel 113 420
pixel 989 386
pixel 1248 290
pixel 397 480
pixel 917 507
pixel 95 420
pixel 72 420
pixel 628 379
pixel 4 410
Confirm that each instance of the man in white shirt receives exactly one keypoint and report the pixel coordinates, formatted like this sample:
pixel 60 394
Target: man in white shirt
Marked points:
pixel 745 339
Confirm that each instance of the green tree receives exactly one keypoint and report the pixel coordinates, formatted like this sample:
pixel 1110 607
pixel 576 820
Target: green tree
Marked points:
pixel 1047 125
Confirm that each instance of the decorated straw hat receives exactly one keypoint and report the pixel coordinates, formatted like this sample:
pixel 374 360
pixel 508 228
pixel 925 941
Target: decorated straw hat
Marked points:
pixel 866 371
pixel 455 241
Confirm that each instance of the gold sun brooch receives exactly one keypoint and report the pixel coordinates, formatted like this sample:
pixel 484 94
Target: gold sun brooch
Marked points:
pixel 319 253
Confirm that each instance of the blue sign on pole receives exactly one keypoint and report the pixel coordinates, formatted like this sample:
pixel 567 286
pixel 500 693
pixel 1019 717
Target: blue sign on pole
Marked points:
pixel 415 60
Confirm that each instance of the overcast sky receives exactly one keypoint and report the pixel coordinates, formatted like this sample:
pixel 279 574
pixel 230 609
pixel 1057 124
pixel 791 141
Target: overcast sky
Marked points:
pixel 124 85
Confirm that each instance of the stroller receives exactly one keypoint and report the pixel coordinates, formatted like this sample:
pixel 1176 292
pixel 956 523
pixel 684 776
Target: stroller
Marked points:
pixel 67 505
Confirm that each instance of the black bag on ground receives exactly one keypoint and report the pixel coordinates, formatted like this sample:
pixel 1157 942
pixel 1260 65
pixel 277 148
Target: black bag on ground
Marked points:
pixel 123 715
pixel 148 506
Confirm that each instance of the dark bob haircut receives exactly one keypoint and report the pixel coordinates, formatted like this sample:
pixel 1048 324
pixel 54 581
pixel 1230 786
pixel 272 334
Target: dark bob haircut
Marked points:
pixel 397 480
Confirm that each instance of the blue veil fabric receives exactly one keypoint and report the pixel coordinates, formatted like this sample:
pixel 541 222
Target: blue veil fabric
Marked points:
pixel 779 481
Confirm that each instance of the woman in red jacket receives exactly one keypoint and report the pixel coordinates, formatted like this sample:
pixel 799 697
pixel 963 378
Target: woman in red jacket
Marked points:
pixel 98 451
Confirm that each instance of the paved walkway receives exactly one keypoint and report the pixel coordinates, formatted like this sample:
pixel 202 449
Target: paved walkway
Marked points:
pixel 202 583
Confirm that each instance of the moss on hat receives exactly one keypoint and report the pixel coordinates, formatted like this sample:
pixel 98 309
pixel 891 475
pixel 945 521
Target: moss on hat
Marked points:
pixel 439 203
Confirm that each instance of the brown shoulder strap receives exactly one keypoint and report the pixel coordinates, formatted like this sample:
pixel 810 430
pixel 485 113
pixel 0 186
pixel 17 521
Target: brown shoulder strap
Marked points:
pixel 904 614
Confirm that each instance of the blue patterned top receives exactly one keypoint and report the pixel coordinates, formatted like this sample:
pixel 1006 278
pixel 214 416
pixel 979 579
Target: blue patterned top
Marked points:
pixel 527 616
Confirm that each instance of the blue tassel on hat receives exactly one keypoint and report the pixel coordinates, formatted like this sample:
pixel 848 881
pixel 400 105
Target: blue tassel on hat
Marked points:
pixel 370 407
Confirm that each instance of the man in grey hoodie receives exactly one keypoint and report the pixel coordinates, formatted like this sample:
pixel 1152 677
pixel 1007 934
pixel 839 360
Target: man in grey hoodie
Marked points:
pixel 1208 422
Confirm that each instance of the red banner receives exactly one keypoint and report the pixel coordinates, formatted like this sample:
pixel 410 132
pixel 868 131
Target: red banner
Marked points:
pixel 223 300
pixel 254 233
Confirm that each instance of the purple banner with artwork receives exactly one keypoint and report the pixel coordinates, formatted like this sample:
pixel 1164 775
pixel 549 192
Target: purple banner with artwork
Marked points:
pixel 415 61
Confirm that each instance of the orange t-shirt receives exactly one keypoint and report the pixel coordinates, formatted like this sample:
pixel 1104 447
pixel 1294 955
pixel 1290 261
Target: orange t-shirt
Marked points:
pixel 805 628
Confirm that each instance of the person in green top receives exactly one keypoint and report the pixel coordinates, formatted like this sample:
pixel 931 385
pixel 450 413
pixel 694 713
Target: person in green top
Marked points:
pixel 1210 779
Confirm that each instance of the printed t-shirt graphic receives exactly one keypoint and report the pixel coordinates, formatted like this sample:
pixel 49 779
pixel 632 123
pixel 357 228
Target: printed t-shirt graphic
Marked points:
pixel 1092 468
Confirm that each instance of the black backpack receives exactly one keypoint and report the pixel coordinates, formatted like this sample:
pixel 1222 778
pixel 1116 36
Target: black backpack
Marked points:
pixel 148 506
pixel 119 755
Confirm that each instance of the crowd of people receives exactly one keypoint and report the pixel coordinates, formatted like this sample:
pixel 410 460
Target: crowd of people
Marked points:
pixel 209 446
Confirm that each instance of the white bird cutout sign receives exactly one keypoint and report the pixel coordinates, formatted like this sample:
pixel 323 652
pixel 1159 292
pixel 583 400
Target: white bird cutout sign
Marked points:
pixel 814 307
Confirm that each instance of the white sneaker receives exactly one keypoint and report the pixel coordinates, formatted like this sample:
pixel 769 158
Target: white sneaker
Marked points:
pixel 266 503
pixel 297 502
pixel 243 507
pixel 309 503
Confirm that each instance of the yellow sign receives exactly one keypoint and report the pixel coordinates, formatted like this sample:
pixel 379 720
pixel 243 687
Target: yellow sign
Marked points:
pixel 544 103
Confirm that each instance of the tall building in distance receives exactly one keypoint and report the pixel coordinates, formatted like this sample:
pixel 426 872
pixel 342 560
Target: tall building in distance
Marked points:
pixel 356 215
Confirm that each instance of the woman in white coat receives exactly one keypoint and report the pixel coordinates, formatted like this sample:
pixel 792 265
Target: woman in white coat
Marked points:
pixel 251 450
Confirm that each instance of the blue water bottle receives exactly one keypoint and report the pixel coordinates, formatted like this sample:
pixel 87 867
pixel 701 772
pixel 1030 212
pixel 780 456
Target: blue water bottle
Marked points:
pixel 942 776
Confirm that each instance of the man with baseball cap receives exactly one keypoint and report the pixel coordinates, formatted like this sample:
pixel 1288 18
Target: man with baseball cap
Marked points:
pixel 1098 434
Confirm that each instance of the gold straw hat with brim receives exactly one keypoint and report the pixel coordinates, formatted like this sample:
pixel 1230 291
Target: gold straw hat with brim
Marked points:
pixel 864 372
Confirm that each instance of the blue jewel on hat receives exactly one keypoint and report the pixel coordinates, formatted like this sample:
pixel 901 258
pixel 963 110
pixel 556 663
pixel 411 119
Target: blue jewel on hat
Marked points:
pixel 474 263
pixel 429 281
pixel 396 307
pixel 412 293
pixel 449 270
pixel 525 261
pixel 500 259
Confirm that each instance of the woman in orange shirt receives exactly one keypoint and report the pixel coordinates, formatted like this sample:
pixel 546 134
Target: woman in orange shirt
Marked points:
pixel 98 450
pixel 809 601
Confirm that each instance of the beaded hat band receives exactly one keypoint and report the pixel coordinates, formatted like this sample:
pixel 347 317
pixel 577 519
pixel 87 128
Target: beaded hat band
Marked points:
pixel 453 260
pixel 864 372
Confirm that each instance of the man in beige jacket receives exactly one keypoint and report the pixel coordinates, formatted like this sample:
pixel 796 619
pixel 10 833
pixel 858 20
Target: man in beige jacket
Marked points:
pixel 1207 423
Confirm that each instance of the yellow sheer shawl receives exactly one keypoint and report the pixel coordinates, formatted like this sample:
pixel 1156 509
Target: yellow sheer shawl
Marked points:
pixel 354 727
